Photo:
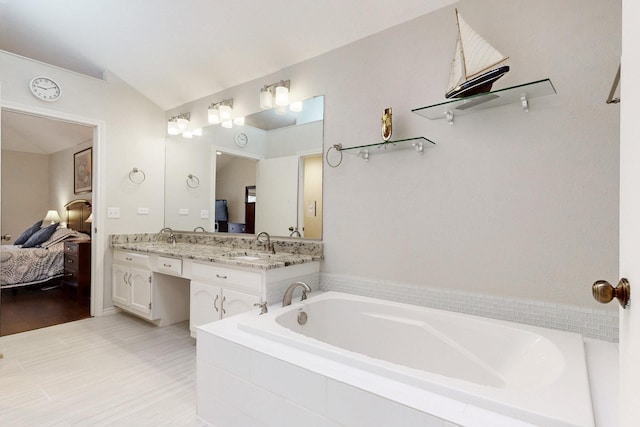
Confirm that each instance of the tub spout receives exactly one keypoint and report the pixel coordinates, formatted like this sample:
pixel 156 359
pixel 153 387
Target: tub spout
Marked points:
pixel 288 294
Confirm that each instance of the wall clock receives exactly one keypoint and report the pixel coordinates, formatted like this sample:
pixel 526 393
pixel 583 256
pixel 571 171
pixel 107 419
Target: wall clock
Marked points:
pixel 242 139
pixel 45 89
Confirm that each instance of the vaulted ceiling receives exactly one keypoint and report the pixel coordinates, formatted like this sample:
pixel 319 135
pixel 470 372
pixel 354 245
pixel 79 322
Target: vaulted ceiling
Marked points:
pixel 174 52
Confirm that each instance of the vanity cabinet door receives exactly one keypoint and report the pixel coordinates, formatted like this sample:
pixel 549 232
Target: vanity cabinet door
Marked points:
pixel 141 291
pixel 121 287
pixel 234 302
pixel 205 304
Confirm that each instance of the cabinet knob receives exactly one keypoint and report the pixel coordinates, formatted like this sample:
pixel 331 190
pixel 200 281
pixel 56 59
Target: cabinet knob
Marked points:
pixel 221 276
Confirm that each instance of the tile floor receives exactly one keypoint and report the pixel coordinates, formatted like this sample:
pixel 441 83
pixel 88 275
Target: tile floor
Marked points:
pixel 114 370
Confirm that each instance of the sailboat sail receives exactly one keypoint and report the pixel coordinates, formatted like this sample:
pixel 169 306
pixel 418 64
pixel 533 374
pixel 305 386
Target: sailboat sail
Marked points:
pixel 472 56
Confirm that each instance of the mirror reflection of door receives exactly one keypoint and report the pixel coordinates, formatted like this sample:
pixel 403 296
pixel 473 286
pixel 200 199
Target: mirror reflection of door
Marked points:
pixel 233 175
pixel 312 197
pixel 250 209
pixel 277 195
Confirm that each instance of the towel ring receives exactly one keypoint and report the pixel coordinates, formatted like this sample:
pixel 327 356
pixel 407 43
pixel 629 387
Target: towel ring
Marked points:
pixel 338 148
pixel 193 181
pixel 137 176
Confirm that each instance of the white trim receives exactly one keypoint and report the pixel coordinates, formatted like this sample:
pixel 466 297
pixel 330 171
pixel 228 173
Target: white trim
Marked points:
pixel 238 153
pixel 99 146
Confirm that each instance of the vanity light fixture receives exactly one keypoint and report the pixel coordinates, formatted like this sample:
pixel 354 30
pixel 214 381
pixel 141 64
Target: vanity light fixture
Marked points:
pixel 220 111
pixel 279 90
pixel 178 124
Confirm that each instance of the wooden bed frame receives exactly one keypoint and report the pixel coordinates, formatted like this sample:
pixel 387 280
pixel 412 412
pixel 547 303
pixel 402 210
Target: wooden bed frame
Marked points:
pixel 77 213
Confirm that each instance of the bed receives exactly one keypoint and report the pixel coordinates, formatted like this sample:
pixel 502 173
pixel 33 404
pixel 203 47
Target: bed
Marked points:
pixel 36 260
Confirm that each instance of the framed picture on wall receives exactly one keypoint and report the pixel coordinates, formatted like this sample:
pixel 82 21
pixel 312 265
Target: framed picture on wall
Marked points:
pixel 82 171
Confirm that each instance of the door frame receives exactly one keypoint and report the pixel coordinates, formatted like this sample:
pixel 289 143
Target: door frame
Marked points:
pixel 98 194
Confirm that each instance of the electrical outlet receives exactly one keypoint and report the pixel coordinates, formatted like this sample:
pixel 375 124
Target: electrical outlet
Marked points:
pixel 113 212
pixel 204 214
pixel 184 211
pixel 143 211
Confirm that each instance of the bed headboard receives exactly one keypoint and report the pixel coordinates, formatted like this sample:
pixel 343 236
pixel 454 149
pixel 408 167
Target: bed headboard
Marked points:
pixel 77 213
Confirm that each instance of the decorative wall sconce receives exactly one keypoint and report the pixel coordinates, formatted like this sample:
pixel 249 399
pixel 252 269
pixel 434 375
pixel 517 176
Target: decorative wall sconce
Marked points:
pixel 276 91
pixel 386 124
pixel 178 124
pixel 222 112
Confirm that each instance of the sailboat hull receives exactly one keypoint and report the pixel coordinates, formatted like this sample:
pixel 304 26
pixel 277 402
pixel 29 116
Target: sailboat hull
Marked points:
pixel 479 84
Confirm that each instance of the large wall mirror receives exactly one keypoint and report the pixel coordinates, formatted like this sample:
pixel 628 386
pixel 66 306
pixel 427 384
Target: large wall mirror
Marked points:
pixel 265 175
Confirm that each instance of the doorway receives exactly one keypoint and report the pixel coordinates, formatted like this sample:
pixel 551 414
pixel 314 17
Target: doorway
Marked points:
pixel 38 154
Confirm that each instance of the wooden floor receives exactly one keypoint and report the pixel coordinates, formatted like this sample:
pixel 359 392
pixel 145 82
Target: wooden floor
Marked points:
pixel 114 370
pixel 39 306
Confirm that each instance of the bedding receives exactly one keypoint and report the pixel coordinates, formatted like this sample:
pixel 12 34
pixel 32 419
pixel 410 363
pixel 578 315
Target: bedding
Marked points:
pixel 25 266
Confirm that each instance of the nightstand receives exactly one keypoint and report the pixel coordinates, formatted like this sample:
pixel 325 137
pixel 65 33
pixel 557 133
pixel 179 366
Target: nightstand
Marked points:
pixel 77 266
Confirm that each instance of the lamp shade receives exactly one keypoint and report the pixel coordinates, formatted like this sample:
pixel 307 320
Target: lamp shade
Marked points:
pixel 172 127
pixel 266 99
pixel 182 124
pixel 225 112
pixel 282 96
pixel 213 116
pixel 51 218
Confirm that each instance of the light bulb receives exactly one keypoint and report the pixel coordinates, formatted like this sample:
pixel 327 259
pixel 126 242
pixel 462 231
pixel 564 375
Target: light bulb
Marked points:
pixel 227 124
pixel 187 134
pixel 239 121
pixel 296 106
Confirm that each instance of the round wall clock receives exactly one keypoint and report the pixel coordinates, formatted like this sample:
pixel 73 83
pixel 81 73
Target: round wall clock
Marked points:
pixel 45 89
pixel 242 139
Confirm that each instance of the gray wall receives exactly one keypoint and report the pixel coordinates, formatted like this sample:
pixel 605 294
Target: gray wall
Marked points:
pixel 507 203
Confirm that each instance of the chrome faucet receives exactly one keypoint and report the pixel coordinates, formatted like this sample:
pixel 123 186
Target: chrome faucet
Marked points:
pixel 171 238
pixel 288 294
pixel 269 246
pixel 199 229
pixel 294 233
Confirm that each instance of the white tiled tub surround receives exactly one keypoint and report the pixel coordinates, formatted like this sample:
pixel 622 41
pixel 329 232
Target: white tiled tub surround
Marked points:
pixel 592 323
pixel 246 378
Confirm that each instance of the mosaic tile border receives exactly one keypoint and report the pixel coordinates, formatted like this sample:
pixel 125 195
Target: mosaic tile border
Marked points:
pixel 592 323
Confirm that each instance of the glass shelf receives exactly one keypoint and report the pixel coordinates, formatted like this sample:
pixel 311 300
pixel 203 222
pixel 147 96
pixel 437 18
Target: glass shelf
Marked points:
pixel 363 151
pixel 515 94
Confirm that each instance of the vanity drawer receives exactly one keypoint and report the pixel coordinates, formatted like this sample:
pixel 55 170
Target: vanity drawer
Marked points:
pixel 246 280
pixel 170 265
pixel 131 258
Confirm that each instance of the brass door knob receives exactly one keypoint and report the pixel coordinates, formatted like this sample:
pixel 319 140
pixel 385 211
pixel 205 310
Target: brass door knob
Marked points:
pixel 603 292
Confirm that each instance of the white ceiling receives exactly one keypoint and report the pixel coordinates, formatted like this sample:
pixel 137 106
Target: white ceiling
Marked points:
pixel 39 135
pixel 174 52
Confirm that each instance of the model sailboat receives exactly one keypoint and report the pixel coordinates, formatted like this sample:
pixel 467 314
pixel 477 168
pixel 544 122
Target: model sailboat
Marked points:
pixel 475 64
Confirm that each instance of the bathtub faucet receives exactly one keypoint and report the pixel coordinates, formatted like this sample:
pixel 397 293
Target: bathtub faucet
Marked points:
pixel 288 294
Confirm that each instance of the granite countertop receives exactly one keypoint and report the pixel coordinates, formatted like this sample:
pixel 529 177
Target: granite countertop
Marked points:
pixel 249 258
